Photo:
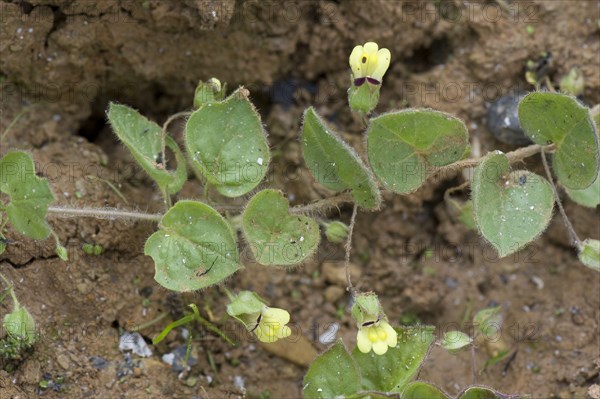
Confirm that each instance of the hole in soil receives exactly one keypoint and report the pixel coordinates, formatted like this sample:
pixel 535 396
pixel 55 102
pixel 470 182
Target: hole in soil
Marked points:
pixel 426 58
pixel 93 125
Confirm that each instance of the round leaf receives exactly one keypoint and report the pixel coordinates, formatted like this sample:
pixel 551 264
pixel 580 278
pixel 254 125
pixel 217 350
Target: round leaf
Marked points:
pixel 29 195
pixel 227 143
pixel 481 393
pixel 275 237
pixel 589 254
pixel 405 146
pixel 557 118
pixel 332 375
pixel 398 366
pixel 589 197
pixel 143 138
pixel 193 249
pixel 19 324
pixel 422 390
pixel 511 208
pixel 335 164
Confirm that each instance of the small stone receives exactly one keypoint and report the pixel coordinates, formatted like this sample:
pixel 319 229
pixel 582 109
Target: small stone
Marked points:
pixel 333 293
pixel 137 372
pixel 335 273
pixel 63 361
pixel 594 391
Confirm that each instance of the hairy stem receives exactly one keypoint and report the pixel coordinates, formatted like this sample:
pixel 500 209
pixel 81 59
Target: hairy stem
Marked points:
pixel 572 234
pixel 348 248
pixel 513 156
pixel 324 204
pixel 102 213
pixel 321 205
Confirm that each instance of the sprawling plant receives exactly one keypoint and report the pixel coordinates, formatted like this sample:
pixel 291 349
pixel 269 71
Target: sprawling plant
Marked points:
pixel 195 245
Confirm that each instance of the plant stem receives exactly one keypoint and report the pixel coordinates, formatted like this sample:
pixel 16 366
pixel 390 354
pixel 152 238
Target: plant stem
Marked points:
pixel 152 322
pixel 102 213
pixel 324 204
pixel 14 122
pixel 513 156
pixel 575 241
pixel 163 134
pixel 348 248
pixel 321 205
pixel 11 290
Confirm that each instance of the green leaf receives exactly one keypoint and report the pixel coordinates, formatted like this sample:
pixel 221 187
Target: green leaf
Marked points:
pixel 193 249
pixel 332 375
pixel 489 321
pixel 454 341
pixel 227 143
pixel 29 195
pixel 143 138
pixel 405 146
pixel 589 197
pixel 364 98
pixel 511 208
pixel 275 237
pixel 466 215
pixel 480 393
pixel 19 324
pixel 589 254
pixel 335 164
pixel 207 92
pixel 557 118
pixel 423 390
pixel 398 366
pixel 62 253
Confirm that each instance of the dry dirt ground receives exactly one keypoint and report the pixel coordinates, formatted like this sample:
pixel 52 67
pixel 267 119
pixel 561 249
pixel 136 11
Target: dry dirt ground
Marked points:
pixel 63 60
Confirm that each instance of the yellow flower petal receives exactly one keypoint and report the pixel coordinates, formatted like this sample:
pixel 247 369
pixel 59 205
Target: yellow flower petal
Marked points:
pixel 284 332
pixel 265 333
pixel 271 315
pixel 363 342
pixel 357 68
pixel 380 347
pixel 369 58
pixel 383 62
pixel 392 335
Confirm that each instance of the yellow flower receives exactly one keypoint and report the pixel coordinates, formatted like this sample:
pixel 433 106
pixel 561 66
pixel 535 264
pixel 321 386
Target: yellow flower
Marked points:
pixel 377 336
pixel 369 63
pixel 271 325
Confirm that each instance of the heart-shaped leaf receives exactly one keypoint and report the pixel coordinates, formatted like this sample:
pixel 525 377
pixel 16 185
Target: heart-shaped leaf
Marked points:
pixel 332 375
pixel 227 143
pixel 275 237
pixel 143 138
pixel 511 208
pixel 423 390
pixel 589 197
pixel 557 118
pixel 194 248
pixel 404 147
pixel 392 371
pixel 335 164
pixel 29 195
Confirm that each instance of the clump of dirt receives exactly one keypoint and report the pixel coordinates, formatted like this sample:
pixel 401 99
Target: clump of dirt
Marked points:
pixel 63 60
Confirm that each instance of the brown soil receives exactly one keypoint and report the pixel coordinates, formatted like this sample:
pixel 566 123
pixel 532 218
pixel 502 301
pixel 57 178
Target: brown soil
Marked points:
pixel 70 58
